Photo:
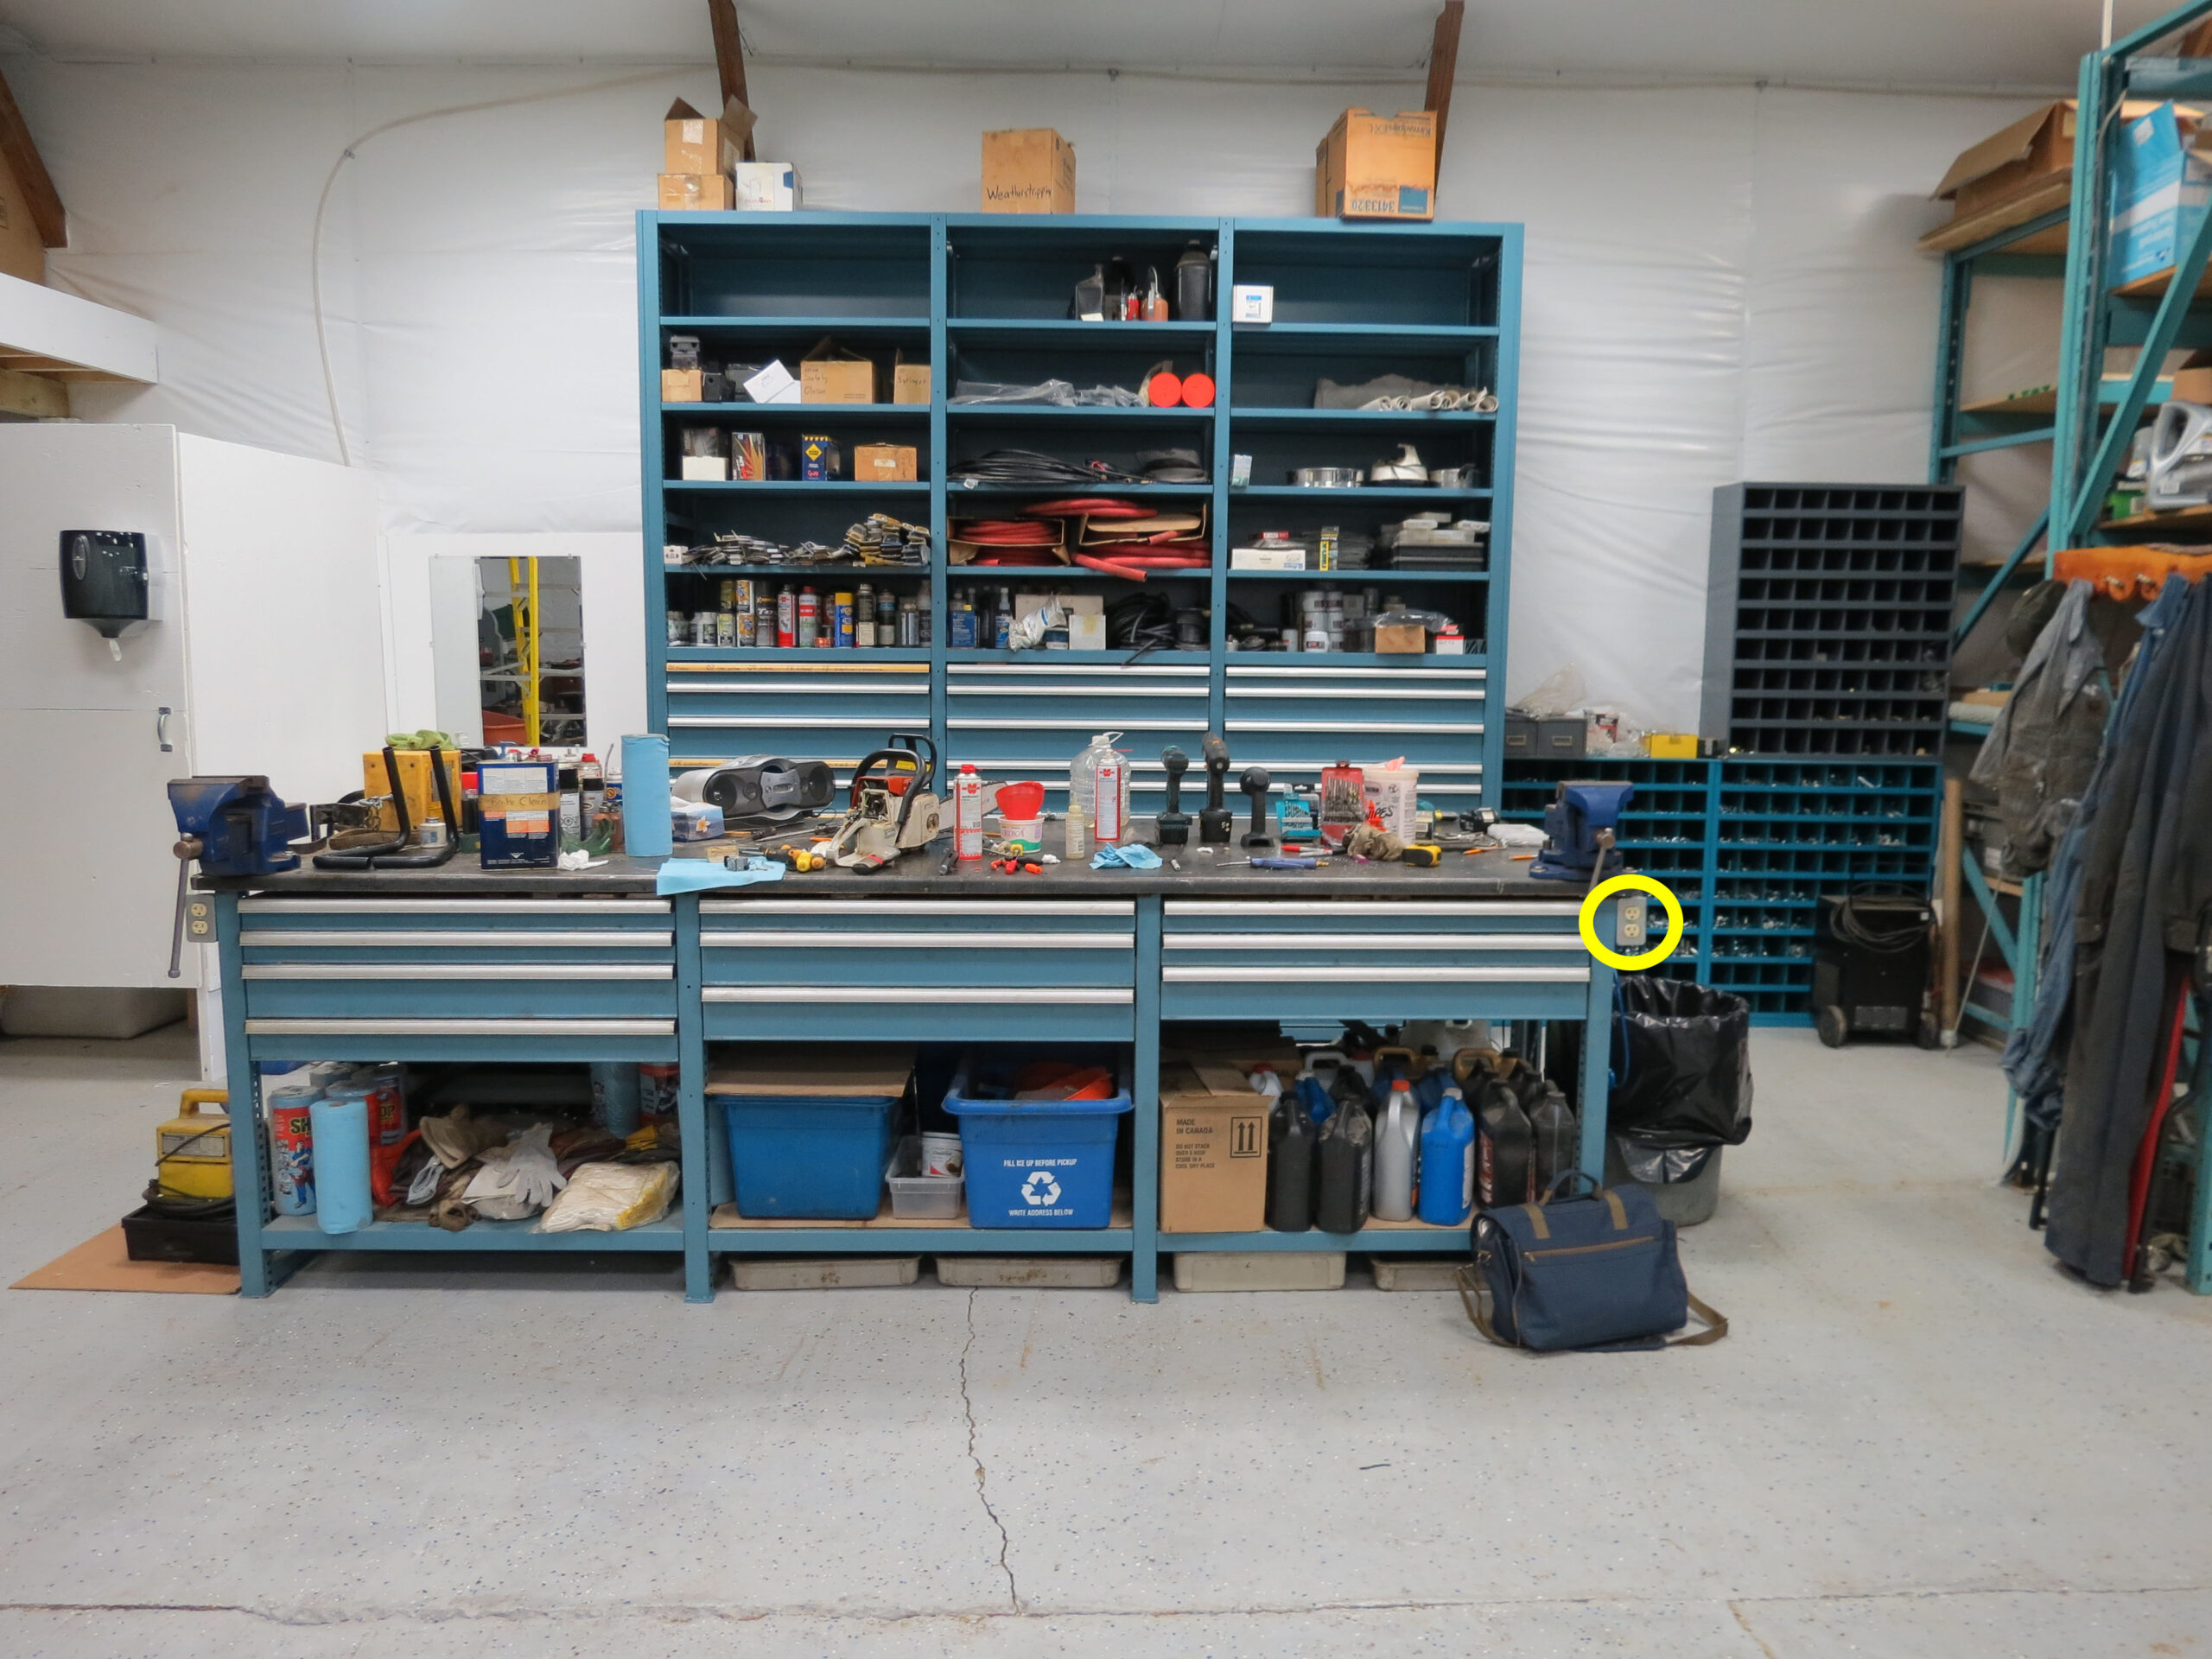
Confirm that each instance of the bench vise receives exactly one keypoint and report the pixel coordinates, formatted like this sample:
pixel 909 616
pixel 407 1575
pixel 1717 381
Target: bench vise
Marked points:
pixel 1582 823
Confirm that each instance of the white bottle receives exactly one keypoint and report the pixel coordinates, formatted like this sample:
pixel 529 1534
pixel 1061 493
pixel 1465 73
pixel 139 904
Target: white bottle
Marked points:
pixel 968 813
pixel 1077 839
pixel 1397 1142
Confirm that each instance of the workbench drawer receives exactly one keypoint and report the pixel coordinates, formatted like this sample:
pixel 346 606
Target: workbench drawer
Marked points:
pixel 1008 712
pixel 918 969
pixel 1374 959
pixel 435 959
pixel 842 709
pixel 1300 709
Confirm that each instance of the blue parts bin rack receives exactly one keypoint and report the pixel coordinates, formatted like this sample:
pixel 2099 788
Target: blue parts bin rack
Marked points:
pixel 1035 1163
pixel 812 1157
pixel 984 297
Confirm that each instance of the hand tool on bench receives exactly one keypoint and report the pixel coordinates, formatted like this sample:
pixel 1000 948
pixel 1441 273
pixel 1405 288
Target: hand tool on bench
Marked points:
pixel 1173 827
pixel 1256 784
pixel 1215 819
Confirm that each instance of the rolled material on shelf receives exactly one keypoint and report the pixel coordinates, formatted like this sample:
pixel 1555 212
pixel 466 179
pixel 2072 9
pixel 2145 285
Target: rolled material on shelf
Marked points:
pixel 341 1132
pixel 616 1095
pixel 645 828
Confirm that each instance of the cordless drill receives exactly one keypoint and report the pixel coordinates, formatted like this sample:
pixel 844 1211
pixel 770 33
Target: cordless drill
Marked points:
pixel 1173 827
pixel 1215 819
pixel 1254 783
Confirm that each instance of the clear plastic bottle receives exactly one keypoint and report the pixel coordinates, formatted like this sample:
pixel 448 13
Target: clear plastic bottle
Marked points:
pixel 1077 839
pixel 1082 790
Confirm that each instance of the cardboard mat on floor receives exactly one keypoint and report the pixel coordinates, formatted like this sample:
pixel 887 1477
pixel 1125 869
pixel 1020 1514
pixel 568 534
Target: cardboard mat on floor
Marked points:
pixel 103 1263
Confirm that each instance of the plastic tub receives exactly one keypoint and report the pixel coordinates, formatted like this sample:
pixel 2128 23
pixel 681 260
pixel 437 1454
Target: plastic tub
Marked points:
pixel 916 1197
pixel 1035 1163
pixel 811 1157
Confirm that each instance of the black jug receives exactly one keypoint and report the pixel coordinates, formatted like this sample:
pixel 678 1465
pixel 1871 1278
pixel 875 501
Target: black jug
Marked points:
pixel 1290 1164
pixel 1557 1135
pixel 1345 1152
pixel 1504 1149
pixel 1194 285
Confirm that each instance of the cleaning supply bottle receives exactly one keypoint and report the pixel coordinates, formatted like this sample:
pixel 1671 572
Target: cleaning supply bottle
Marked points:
pixel 1316 1097
pixel 1397 1141
pixel 1504 1151
pixel 1447 1160
pixel 1083 784
pixel 1557 1136
pixel 1345 1153
pixel 968 813
pixel 1290 1165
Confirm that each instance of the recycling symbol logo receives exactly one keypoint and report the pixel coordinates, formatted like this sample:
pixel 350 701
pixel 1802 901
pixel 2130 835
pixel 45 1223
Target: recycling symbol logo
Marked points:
pixel 1041 1188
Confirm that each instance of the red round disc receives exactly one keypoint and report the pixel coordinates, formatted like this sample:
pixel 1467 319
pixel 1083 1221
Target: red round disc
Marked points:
pixel 1197 391
pixel 1164 390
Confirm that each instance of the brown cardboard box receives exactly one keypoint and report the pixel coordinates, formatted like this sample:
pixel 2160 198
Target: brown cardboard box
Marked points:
pixel 843 1069
pixel 884 463
pixel 1377 167
pixel 2192 382
pixel 1400 639
pixel 1213 1149
pixel 1028 170
pixel 910 382
pixel 832 374
pixel 695 193
pixel 22 253
pixel 681 385
pixel 2011 176
pixel 704 144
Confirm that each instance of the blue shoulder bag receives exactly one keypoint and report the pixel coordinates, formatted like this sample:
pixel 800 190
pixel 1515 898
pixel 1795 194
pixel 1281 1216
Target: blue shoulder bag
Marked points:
pixel 1597 1272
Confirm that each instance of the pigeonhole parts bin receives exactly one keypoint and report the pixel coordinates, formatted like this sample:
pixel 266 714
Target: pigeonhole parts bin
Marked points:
pixel 1035 1163
pixel 810 1132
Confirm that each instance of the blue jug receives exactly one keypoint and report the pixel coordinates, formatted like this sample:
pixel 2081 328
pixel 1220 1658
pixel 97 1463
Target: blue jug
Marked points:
pixel 1447 1161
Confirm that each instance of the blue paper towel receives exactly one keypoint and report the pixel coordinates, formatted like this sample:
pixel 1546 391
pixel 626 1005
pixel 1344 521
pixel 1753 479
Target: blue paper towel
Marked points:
pixel 645 832
pixel 701 874
pixel 342 1202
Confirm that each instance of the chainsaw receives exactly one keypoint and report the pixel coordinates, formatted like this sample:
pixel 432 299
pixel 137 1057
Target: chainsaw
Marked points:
pixel 892 811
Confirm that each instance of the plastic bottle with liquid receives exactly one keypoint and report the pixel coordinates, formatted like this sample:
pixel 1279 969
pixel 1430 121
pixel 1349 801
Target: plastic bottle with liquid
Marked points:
pixel 1106 828
pixel 1345 1153
pixel 1397 1150
pixel 1447 1161
pixel 1557 1136
pixel 968 813
pixel 1315 1094
pixel 1505 1151
pixel 1290 1166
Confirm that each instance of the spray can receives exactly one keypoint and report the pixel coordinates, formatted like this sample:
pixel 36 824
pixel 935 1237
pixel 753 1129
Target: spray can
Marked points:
pixel 1110 804
pixel 291 1148
pixel 387 1129
pixel 968 813
pixel 843 614
pixel 786 618
pixel 864 618
pixel 810 616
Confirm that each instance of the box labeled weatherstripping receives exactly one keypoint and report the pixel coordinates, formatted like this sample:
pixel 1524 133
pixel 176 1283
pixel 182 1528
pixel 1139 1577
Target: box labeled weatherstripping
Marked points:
pixel 1377 167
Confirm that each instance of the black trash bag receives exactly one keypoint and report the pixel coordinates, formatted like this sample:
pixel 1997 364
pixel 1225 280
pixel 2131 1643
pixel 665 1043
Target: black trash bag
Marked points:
pixel 1681 1064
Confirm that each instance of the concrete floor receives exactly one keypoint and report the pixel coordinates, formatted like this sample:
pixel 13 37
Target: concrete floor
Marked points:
pixel 1920 1440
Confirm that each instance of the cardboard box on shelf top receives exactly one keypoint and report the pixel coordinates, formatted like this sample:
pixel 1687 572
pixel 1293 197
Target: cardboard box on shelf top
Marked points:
pixel 2014 175
pixel 704 144
pixel 1028 170
pixel 694 192
pixel 1377 167
pixel 2161 184
pixel 832 374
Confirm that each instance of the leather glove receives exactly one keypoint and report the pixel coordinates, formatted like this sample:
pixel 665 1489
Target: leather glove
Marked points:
pixel 518 1180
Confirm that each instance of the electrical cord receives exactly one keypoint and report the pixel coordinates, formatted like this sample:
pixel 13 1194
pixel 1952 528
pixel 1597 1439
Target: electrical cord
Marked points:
pixel 1028 467
pixel 1892 938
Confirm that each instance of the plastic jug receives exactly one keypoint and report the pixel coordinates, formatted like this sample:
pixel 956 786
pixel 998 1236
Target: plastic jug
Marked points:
pixel 1345 1153
pixel 1503 1156
pixel 1318 1104
pixel 1557 1136
pixel 1397 1142
pixel 1111 827
pixel 1290 1165
pixel 1447 1161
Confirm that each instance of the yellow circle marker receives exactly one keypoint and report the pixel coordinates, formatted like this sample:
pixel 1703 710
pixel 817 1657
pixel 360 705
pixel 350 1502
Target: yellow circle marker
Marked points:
pixel 1606 889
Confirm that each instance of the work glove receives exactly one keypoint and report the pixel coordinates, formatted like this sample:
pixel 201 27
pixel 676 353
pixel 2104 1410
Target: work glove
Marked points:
pixel 518 1180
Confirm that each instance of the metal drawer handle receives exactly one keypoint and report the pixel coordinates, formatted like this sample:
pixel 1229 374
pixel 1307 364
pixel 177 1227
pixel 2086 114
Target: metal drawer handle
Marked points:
pixel 1372 942
pixel 460 1027
pixel 1284 728
pixel 1239 671
pixel 1118 671
pixel 501 971
pixel 1370 977
pixel 1024 996
pixel 1070 724
pixel 368 939
pixel 523 907
pixel 738 939
pixel 838 909
pixel 1409 694
pixel 779 723
pixel 1356 913
pixel 1117 691
pixel 738 688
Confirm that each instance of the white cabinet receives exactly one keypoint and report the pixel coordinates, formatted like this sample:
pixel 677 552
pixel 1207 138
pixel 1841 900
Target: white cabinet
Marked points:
pixel 268 658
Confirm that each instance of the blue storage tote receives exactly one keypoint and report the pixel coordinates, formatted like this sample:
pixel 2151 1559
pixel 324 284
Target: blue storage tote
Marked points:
pixel 1035 1163
pixel 810 1132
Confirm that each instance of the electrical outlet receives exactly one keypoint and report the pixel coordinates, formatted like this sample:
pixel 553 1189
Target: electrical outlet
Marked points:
pixel 1629 925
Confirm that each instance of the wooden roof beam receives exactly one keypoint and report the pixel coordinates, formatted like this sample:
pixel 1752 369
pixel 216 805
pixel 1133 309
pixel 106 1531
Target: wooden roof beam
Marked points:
pixel 21 153
pixel 1443 66
pixel 729 60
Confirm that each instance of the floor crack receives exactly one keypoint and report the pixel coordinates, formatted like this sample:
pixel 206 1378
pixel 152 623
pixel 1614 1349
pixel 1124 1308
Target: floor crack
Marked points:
pixel 982 1491
pixel 1744 1624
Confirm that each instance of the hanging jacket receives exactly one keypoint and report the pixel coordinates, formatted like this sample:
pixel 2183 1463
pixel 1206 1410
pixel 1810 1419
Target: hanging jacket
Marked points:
pixel 2043 748
pixel 2035 1053
pixel 2145 883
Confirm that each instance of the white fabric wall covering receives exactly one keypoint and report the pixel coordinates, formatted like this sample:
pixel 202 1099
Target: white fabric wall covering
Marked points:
pixel 1720 282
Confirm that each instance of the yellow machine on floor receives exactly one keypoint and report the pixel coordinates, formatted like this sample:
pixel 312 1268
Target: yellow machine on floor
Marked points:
pixel 192 1151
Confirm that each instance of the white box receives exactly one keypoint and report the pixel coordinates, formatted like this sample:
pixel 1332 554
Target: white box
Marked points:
pixel 1267 558
pixel 1254 303
pixel 706 469
pixel 767 187
pixel 1086 632
pixel 773 384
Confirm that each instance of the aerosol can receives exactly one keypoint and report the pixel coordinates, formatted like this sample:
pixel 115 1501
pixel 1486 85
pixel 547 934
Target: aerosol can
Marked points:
pixel 1397 1137
pixel 968 813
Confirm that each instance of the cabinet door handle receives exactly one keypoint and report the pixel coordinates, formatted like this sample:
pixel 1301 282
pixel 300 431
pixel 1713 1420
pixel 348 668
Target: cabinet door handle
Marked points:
pixel 162 731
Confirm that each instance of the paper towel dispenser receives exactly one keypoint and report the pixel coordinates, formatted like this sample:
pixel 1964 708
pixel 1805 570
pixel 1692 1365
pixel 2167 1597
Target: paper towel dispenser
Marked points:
pixel 108 582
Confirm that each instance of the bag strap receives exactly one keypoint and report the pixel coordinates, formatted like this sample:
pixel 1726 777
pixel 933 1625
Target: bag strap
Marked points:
pixel 1716 1326
pixel 1474 1296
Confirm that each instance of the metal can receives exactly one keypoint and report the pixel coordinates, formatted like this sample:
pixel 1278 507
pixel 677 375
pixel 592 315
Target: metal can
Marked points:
pixel 706 627
pixel 786 617
pixel 291 1148
pixel 864 618
pixel 749 626
pixel 968 813
pixel 842 617
pixel 679 628
pixel 725 629
pixel 728 592
pixel 738 593
pixel 810 616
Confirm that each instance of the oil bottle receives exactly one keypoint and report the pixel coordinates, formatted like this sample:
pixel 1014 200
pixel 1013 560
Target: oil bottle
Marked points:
pixel 1397 1141
pixel 1345 1152
pixel 1319 1106
pixel 1504 1149
pixel 1447 1160
pixel 1290 1161
pixel 1557 1136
